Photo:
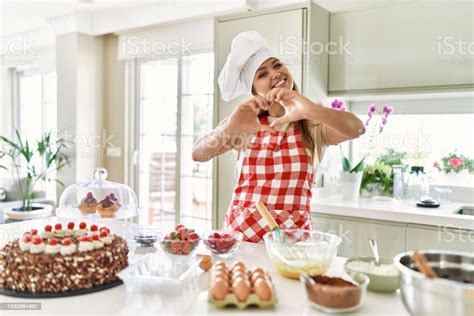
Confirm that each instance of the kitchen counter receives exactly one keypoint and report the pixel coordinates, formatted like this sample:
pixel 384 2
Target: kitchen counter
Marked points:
pixel 193 300
pixel 401 212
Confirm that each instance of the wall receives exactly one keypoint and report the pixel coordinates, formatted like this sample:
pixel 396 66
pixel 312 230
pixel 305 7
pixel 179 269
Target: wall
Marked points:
pixel 114 103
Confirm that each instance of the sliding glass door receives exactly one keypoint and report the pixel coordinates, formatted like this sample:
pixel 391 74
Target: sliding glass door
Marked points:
pixel 176 106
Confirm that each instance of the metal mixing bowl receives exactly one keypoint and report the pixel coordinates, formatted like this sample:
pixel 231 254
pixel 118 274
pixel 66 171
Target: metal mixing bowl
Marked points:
pixel 452 293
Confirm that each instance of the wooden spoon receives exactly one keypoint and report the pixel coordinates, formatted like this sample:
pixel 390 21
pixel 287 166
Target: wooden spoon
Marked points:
pixel 422 265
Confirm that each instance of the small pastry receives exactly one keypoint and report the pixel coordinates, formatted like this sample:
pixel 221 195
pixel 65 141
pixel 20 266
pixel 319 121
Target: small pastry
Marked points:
pixel 107 207
pixel 115 200
pixel 88 204
pixel 48 232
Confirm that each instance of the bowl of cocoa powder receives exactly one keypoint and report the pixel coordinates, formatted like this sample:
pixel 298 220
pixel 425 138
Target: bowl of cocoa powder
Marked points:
pixel 336 294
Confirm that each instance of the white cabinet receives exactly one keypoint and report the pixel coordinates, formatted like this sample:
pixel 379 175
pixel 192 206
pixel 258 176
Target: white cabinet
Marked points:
pixel 443 238
pixel 355 234
pixel 285 30
pixel 409 46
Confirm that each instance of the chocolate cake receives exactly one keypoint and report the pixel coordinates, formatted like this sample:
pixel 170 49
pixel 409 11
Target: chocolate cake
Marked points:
pixel 57 264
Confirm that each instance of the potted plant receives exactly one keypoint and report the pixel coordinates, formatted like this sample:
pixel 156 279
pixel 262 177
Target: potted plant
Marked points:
pixel 378 177
pixel 351 177
pixel 31 165
pixel 455 169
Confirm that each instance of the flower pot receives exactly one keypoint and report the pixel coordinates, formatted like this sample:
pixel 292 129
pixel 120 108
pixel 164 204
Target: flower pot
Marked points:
pixel 350 185
pixel 463 178
pixel 16 214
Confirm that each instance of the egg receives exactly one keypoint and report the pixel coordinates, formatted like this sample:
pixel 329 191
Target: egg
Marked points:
pixel 241 289
pixel 239 274
pixel 221 275
pixel 257 276
pixel 238 264
pixel 219 289
pixel 221 263
pixel 205 262
pixel 263 290
pixel 257 270
pixel 221 269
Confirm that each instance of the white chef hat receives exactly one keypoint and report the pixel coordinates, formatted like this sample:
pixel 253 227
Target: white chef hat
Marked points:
pixel 249 50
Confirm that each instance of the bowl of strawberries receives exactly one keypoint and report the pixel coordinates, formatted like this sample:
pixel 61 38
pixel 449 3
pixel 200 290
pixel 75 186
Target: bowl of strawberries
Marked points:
pixel 182 241
pixel 223 243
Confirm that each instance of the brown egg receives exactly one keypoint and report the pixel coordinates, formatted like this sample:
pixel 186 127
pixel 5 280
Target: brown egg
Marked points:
pixel 219 289
pixel 205 262
pixel 239 274
pixel 258 276
pixel 222 275
pixel 238 264
pixel 221 268
pixel 221 263
pixel 263 290
pixel 241 289
pixel 257 270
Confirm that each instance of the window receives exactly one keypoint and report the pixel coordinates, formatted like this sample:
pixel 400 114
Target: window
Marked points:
pixel 176 105
pixel 37 112
pixel 425 137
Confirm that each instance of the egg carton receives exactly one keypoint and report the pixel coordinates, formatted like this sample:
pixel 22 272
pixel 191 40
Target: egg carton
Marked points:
pixel 252 300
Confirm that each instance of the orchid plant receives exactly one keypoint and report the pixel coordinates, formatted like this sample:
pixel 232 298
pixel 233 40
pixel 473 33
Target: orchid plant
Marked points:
pixel 379 127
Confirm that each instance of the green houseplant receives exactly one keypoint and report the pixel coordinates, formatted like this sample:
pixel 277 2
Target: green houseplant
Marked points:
pixel 32 164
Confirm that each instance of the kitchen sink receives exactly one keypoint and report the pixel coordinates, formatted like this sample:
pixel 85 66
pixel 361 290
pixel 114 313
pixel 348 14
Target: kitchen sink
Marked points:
pixel 465 210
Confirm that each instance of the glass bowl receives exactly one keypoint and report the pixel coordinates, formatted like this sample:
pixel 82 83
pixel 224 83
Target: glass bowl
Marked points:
pixel 223 243
pixel 145 235
pixel 299 250
pixel 180 242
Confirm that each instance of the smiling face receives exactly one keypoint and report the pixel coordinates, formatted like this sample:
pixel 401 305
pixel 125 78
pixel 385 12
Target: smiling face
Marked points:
pixel 271 74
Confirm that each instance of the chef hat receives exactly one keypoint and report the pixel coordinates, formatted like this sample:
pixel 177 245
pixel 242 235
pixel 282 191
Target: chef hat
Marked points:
pixel 249 50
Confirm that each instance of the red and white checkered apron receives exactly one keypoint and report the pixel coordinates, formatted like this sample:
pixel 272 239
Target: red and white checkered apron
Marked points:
pixel 277 171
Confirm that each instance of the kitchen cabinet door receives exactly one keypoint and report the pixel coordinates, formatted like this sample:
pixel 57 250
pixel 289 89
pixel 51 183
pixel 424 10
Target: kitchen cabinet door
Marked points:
pixel 410 46
pixel 439 238
pixel 355 234
pixel 275 28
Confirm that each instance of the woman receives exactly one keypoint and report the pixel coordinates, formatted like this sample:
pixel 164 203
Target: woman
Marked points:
pixel 279 134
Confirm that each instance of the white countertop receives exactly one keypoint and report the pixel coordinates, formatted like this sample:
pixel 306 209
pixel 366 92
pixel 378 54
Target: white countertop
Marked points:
pixel 402 212
pixel 193 301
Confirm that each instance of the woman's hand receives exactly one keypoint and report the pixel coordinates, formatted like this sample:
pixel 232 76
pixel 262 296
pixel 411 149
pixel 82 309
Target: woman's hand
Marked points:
pixel 293 103
pixel 244 119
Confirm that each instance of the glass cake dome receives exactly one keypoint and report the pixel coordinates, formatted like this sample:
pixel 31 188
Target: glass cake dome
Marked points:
pixel 98 198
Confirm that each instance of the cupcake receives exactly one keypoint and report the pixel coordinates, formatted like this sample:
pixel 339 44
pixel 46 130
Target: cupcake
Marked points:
pixel 115 200
pixel 88 204
pixel 107 207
